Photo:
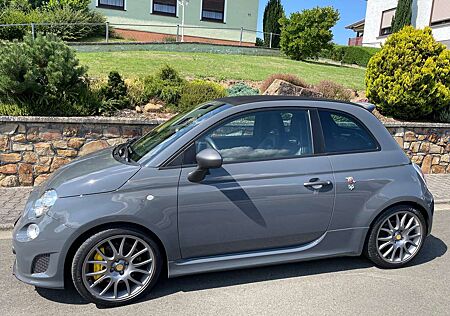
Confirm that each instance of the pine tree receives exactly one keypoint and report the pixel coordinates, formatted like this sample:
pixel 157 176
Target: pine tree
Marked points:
pixel 402 15
pixel 273 12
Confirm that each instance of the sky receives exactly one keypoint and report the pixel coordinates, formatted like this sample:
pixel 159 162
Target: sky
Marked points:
pixel 350 10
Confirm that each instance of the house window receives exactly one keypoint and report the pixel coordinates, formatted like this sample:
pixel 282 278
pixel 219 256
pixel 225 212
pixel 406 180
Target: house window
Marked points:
pixel 165 7
pixel 213 10
pixel 112 4
pixel 441 12
pixel 386 22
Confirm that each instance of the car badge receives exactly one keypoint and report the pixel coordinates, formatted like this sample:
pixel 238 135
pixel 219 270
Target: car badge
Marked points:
pixel 351 183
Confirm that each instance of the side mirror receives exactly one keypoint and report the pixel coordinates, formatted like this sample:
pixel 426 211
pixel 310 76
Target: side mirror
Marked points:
pixel 206 159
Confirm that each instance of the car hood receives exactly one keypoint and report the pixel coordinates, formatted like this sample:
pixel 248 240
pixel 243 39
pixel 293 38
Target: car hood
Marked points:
pixel 94 173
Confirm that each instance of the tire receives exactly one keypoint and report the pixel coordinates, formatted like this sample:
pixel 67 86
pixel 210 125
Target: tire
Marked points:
pixel 145 268
pixel 376 249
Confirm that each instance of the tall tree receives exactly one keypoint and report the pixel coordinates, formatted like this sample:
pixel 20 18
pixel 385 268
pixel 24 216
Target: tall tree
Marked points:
pixel 403 15
pixel 273 12
pixel 304 34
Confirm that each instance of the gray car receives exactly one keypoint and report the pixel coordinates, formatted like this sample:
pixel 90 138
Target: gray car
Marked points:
pixel 236 183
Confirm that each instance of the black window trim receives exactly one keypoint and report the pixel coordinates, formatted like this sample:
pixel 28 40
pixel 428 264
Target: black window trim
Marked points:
pixel 381 34
pixel 318 139
pixel 210 19
pixel 180 152
pixel 165 13
pixel 112 7
pixel 361 124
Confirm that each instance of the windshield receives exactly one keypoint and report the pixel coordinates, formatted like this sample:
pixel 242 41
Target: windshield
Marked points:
pixel 164 135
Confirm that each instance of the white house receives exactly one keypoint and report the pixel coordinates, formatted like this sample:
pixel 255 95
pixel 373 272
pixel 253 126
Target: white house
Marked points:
pixel 379 15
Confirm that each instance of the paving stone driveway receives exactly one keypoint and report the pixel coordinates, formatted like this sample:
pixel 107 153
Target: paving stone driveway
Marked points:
pixel 12 200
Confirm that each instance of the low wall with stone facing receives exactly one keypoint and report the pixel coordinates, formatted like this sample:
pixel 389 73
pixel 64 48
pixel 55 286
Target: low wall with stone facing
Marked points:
pixel 31 148
pixel 427 144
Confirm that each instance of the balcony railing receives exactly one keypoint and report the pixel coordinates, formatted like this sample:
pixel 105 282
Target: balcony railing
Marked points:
pixel 356 41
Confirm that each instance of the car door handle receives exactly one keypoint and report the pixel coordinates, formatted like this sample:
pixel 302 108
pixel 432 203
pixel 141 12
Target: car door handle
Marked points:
pixel 317 184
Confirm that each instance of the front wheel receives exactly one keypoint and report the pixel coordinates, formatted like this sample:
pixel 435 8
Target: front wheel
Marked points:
pixel 396 237
pixel 116 267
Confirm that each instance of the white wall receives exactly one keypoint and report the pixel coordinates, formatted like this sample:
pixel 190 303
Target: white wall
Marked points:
pixel 374 12
pixel 420 19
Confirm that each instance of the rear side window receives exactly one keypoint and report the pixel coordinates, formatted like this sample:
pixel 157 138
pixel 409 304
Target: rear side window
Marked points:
pixel 343 133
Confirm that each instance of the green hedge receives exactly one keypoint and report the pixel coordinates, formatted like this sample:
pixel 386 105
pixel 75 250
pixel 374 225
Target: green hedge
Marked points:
pixel 14 15
pixel 353 55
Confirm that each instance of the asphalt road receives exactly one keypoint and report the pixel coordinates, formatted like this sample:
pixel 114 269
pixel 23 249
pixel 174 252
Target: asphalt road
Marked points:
pixel 333 286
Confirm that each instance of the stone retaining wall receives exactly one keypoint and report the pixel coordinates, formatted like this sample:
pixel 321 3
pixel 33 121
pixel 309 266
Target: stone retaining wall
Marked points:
pixel 427 144
pixel 33 147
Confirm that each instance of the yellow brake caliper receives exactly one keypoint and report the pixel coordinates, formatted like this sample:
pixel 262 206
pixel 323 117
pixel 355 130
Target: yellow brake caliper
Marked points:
pixel 97 266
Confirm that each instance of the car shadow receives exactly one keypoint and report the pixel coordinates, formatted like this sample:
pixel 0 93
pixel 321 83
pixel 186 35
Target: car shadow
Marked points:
pixel 433 248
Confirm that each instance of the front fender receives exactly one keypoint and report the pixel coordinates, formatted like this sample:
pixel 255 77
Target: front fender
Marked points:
pixel 83 213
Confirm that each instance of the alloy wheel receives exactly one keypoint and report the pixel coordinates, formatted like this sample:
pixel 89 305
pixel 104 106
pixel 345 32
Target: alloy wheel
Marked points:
pixel 118 268
pixel 399 237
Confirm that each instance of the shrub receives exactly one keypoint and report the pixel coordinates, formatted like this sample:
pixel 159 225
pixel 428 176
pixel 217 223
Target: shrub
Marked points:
pixel 353 55
pixel 114 95
pixel 332 90
pixel 73 4
pixel 240 89
pixel 168 73
pixel 295 80
pixel 166 85
pixel 73 32
pixel 13 15
pixel 443 115
pixel 41 76
pixel 305 34
pixel 259 42
pixel 199 91
pixel 136 92
pixel 12 110
pixel 410 77
pixel 170 39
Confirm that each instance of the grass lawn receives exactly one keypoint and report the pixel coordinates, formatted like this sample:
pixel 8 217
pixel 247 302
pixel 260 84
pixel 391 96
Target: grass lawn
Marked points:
pixel 206 65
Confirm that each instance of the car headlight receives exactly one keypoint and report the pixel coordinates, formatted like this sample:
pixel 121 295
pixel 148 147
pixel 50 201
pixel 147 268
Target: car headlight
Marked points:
pixel 44 203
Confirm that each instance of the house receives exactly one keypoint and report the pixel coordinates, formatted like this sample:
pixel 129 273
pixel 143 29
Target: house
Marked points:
pixel 377 25
pixel 358 28
pixel 212 21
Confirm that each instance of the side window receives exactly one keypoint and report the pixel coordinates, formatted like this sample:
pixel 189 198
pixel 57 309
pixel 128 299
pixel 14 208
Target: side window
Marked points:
pixel 343 133
pixel 241 127
pixel 261 135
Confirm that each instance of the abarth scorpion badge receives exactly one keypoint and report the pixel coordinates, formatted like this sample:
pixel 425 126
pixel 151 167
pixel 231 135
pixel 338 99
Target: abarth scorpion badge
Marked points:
pixel 351 183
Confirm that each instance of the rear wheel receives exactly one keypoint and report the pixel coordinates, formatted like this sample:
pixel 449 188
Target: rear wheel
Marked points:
pixel 116 266
pixel 396 237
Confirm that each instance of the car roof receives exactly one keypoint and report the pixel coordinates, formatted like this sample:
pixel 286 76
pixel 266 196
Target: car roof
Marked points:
pixel 241 100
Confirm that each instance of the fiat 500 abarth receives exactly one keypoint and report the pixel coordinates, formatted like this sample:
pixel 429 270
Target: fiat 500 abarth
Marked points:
pixel 237 182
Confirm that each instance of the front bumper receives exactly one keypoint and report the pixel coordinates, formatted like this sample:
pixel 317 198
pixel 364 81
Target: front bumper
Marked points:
pixel 51 241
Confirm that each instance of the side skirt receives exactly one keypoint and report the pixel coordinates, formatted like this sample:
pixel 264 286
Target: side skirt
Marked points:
pixel 343 242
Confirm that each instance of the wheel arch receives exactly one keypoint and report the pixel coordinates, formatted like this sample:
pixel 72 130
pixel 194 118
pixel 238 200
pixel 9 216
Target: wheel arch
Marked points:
pixel 93 230
pixel 410 203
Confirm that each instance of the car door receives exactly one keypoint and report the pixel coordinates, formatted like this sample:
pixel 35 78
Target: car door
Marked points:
pixel 271 192
pixel 359 169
